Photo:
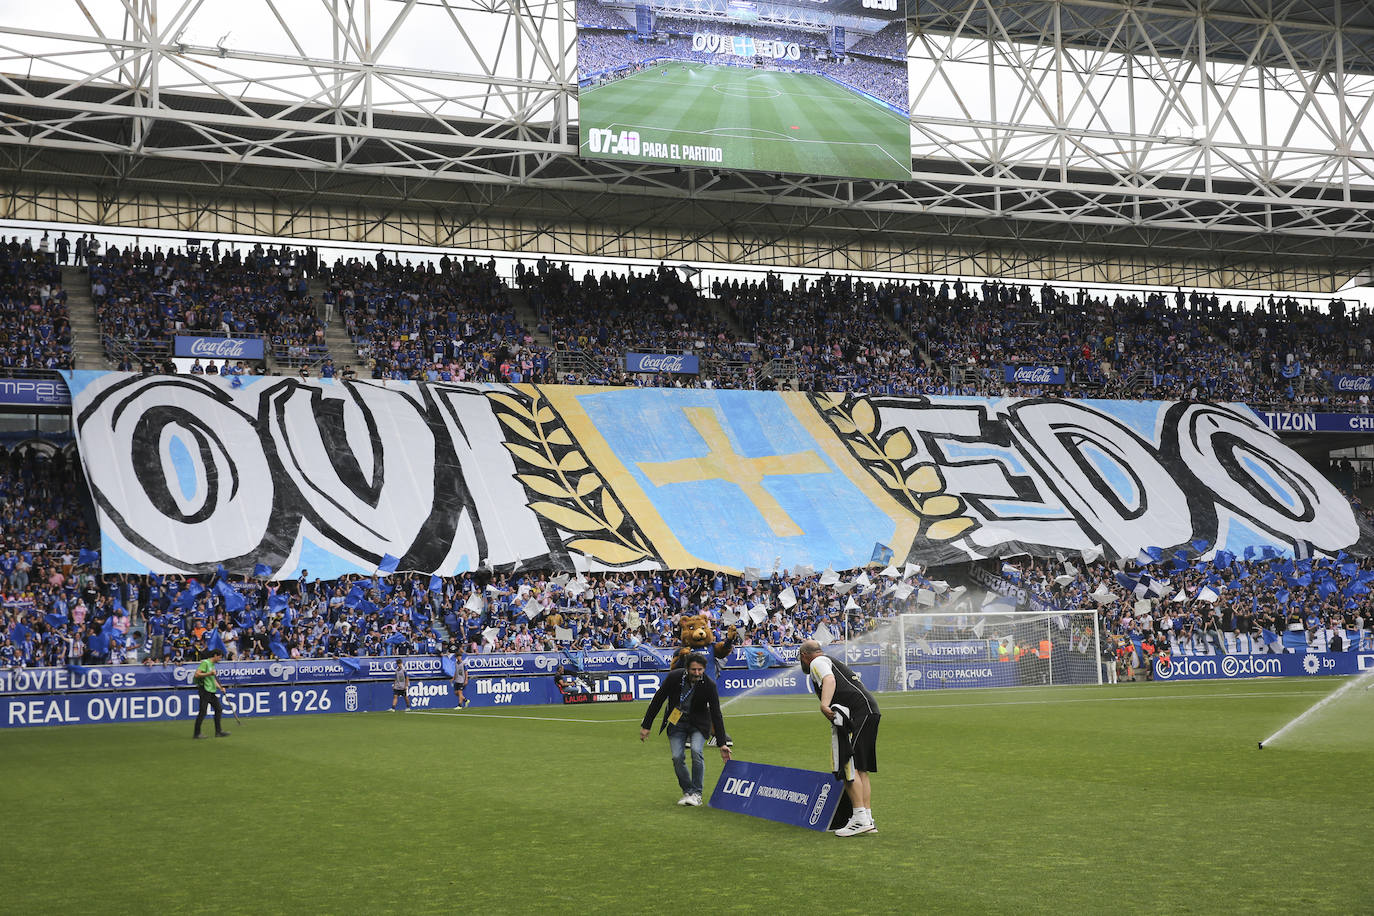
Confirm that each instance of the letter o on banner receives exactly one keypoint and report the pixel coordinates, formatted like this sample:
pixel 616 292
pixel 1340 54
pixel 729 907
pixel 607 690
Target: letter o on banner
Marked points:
pixel 204 485
pixel 1249 470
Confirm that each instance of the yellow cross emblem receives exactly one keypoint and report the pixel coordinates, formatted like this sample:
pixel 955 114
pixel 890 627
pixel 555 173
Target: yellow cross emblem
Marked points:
pixel 722 462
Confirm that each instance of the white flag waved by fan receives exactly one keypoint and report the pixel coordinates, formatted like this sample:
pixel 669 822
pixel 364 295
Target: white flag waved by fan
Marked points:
pixel 562 634
pixel 533 609
pixel 1208 594
pixel 758 613
pixel 1181 597
pixel 829 577
pixel 1102 594
pixel 891 573
pixel 823 635
pixel 911 569
pixel 925 598
pixel 788 598
pixel 474 602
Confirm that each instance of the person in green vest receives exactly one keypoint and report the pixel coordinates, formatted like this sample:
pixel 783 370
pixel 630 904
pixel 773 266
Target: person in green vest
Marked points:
pixel 207 685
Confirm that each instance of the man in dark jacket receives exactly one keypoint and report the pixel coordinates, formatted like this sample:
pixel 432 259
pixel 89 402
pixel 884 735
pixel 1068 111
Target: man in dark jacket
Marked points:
pixel 692 710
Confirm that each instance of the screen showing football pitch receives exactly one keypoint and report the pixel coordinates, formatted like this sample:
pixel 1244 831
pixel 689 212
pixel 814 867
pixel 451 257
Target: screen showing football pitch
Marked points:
pixel 791 86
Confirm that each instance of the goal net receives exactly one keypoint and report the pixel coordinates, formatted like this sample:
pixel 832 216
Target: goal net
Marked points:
pixel 1009 649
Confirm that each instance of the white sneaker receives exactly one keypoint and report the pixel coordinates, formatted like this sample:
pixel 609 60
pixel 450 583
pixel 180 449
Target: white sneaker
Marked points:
pixel 686 799
pixel 855 827
pixel 694 800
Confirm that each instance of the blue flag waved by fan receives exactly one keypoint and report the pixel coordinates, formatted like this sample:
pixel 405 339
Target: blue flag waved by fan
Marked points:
pixel 762 657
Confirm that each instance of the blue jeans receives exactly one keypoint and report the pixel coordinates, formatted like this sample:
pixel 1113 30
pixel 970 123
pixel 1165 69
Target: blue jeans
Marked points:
pixel 677 743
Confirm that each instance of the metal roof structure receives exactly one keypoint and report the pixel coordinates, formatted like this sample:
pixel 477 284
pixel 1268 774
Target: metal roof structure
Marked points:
pixel 1191 141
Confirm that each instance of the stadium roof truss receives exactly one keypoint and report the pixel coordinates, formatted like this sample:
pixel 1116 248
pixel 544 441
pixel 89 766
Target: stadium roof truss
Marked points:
pixel 1225 142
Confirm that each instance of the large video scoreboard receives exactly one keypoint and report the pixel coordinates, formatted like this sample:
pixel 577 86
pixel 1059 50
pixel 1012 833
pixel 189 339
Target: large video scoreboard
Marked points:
pixel 787 87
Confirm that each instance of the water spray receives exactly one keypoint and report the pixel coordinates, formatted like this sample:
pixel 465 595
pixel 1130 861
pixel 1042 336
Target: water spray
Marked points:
pixel 1363 681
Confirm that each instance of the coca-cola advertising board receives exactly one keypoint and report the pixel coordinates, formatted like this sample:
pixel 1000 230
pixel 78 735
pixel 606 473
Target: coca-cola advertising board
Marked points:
pixel 219 347
pixel 684 363
pixel 1034 375
pixel 1345 382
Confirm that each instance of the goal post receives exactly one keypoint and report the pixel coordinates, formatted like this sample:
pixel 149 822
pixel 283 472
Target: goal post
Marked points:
pixel 1005 649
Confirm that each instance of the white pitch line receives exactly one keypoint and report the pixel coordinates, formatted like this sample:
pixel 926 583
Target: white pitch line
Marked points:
pixel 1065 701
pixel 885 707
pixel 437 712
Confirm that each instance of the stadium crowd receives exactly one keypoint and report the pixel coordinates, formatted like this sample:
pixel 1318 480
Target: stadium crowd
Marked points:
pixel 35 332
pixel 1259 603
pixel 448 320
pixel 456 321
pixel 888 42
pixel 451 321
pixel 606 317
pixel 594 15
pixel 145 297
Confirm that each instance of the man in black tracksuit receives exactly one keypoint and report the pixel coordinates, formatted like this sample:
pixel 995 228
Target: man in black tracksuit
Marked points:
pixel 692 710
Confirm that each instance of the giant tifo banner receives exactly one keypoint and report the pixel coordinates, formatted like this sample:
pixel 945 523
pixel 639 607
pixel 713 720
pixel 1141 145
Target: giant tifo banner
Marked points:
pixel 342 477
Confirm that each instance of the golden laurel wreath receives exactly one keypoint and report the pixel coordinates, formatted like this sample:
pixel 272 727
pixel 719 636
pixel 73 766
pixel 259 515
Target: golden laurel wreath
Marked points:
pixel 920 489
pixel 575 499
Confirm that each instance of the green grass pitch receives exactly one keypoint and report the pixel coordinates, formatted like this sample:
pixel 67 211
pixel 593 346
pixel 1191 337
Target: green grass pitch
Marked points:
pixel 1147 798
pixel 762 120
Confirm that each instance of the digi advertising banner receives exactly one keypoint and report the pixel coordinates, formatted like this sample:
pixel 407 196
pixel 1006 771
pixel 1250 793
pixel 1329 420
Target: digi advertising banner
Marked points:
pixel 786 86
pixel 802 798
pixel 333 477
